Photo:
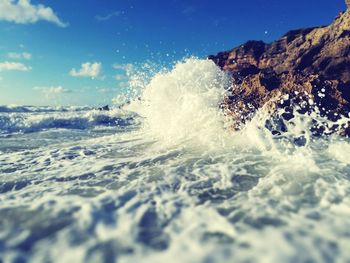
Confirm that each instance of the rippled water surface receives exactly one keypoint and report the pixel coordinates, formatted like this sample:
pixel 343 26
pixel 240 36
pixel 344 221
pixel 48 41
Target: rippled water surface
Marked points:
pixel 168 183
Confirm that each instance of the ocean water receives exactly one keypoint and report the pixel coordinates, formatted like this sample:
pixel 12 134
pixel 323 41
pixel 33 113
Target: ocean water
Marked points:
pixel 165 179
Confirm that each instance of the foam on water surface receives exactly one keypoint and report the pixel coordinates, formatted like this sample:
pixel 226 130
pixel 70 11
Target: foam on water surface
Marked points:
pixel 175 184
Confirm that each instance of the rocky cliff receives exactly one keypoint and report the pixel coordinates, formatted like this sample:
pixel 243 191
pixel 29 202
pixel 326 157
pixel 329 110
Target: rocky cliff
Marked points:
pixel 308 68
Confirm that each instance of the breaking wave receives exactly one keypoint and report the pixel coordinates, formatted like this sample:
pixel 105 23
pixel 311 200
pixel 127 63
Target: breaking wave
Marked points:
pixel 37 120
pixel 183 105
pixel 26 109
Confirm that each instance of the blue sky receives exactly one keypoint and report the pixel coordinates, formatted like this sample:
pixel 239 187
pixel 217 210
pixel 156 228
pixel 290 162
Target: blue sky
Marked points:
pixel 78 52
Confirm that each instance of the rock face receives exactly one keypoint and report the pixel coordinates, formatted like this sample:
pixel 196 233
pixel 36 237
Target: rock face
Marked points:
pixel 306 65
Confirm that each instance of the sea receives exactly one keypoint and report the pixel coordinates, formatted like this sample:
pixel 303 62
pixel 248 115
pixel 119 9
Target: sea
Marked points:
pixel 165 178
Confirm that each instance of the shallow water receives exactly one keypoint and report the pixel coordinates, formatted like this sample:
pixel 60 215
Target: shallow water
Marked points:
pixel 166 180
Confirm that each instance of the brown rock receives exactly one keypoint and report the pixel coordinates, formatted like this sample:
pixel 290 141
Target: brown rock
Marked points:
pixel 314 62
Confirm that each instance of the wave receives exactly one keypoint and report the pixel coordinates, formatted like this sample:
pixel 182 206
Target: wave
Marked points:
pixel 184 103
pixel 178 106
pixel 63 119
pixel 28 109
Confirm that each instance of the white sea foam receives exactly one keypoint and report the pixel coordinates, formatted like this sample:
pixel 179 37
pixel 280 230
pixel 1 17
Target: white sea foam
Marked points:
pixel 183 104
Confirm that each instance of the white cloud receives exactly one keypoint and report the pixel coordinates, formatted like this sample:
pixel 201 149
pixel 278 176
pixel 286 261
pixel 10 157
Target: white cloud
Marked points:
pixel 108 16
pixel 13 66
pixel 52 90
pixel 125 67
pixel 23 12
pixel 107 90
pixel 88 69
pixel 188 10
pixel 24 55
pixel 119 77
pixel 124 71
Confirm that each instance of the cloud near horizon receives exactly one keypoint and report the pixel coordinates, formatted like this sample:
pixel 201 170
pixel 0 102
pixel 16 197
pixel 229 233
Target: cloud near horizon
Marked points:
pixel 88 69
pixel 124 71
pixel 23 12
pixel 24 55
pixel 119 77
pixel 52 90
pixel 107 90
pixel 125 67
pixel 13 66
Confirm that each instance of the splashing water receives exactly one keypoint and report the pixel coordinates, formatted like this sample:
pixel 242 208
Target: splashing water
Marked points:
pixel 172 183
pixel 183 104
